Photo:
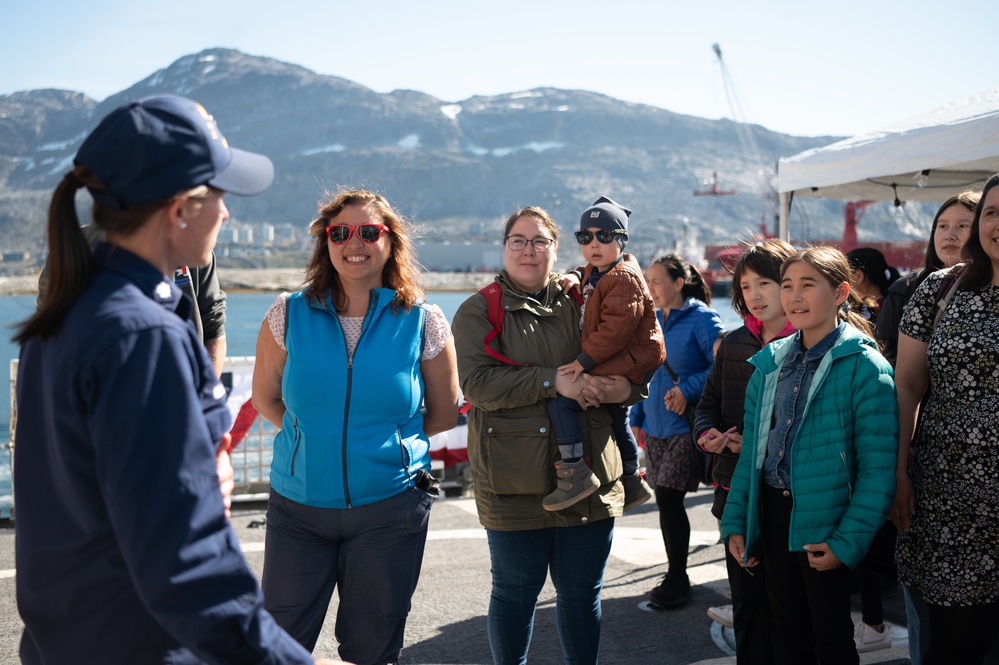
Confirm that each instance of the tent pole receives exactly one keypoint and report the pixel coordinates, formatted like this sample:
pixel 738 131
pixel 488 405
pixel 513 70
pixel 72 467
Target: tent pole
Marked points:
pixel 784 223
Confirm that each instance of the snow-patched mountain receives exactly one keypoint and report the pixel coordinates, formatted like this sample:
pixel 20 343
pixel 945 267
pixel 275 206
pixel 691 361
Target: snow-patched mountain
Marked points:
pixel 452 166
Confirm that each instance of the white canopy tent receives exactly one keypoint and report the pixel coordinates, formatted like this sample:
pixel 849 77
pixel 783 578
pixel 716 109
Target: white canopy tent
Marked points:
pixel 925 158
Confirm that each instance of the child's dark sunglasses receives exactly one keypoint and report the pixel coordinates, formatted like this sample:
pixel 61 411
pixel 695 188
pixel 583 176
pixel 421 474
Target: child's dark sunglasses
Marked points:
pixel 604 236
pixel 369 233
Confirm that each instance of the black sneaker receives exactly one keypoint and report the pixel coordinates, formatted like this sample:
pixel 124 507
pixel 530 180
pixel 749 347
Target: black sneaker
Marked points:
pixel 673 591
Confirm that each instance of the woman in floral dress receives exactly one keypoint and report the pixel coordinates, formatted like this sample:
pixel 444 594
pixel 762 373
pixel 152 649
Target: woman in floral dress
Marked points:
pixel 947 503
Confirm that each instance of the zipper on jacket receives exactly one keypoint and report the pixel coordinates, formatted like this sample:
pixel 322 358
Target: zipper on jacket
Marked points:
pixel 372 302
pixel 346 420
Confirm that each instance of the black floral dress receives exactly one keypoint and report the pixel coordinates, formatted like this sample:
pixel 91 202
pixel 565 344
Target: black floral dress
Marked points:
pixel 950 552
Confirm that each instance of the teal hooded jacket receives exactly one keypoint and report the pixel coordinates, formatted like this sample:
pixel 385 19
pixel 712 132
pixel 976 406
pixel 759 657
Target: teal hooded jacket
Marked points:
pixel 843 457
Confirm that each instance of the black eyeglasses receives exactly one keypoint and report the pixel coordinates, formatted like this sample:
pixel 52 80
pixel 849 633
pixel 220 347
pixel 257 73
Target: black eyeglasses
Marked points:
pixel 603 236
pixel 519 243
pixel 369 233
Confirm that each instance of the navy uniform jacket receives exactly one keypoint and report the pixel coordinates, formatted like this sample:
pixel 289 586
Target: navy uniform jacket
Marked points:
pixel 124 554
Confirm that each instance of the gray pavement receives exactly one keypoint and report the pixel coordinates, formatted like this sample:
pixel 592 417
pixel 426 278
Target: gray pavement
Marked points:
pixel 448 625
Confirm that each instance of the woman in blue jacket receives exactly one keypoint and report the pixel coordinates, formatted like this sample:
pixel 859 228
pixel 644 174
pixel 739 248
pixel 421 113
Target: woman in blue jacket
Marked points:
pixel 816 475
pixel 357 372
pixel 690 331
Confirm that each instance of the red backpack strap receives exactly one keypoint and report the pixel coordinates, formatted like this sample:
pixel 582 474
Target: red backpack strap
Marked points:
pixel 494 299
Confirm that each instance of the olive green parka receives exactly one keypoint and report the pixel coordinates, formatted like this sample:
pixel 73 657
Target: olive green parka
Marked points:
pixel 511 444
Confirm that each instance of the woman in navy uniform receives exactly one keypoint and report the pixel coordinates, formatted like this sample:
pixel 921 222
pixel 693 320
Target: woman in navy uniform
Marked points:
pixel 124 552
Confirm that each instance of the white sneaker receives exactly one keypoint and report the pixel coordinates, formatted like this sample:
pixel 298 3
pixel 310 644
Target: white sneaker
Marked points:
pixel 722 615
pixel 868 639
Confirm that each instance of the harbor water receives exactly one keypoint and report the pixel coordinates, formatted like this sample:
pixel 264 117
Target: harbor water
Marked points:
pixel 244 313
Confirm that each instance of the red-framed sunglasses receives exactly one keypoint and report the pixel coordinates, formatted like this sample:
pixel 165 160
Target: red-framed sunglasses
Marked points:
pixel 369 233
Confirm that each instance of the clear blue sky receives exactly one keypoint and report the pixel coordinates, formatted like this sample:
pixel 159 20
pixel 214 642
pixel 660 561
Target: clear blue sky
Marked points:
pixel 839 67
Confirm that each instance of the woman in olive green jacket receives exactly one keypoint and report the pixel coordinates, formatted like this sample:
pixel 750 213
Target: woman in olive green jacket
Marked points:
pixel 512 448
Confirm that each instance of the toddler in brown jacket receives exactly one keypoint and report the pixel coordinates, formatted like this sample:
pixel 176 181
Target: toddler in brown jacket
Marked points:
pixel 620 335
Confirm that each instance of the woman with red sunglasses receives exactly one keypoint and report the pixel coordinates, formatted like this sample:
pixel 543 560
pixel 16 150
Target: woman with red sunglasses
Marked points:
pixel 358 372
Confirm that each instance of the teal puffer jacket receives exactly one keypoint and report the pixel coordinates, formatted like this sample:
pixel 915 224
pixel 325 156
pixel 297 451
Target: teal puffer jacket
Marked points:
pixel 844 455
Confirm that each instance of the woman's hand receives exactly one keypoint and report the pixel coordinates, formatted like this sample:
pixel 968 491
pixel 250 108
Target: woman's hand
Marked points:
pixel 613 389
pixel 675 401
pixel 820 557
pixel 903 507
pixel 737 548
pixel 582 391
pixel 590 390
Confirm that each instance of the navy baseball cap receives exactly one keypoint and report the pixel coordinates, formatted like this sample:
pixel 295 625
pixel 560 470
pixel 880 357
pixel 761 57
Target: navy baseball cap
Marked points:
pixel 159 146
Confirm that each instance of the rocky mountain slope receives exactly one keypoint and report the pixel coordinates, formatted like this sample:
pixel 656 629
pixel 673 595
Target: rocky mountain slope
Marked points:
pixel 454 168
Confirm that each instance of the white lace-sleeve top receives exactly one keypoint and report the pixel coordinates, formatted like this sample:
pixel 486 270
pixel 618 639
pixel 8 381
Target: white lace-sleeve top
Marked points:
pixel 438 331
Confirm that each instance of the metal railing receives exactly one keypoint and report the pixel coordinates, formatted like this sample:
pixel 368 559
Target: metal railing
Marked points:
pixel 251 460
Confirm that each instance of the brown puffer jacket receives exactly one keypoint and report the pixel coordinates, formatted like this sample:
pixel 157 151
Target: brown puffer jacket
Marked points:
pixel 511 444
pixel 621 334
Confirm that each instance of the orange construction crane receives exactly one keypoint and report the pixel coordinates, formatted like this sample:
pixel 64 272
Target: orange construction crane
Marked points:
pixel 854 211
pixel 714 190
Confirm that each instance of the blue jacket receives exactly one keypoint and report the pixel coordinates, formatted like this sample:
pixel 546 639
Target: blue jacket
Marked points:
pixel 124 553
pixel 353 430
pixel 844 455
pixel 690 334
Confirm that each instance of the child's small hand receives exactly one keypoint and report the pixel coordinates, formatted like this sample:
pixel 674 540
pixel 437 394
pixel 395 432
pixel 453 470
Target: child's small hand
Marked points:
pixel 737 547
pixel 573 368
pixel 820 557
pixel 712 441
pixel 733 440
pixel 569 282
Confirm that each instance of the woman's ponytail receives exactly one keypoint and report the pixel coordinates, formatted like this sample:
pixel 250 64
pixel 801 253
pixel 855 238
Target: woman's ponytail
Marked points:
pixel 694 285
pixel 68 266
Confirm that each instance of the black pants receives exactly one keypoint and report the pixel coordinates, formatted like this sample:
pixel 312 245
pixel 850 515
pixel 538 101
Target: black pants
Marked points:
pixel 754 635
pixel 961 634
pixel 811 608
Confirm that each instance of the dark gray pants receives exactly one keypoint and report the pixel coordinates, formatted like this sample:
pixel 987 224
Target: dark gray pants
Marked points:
pixel 372 553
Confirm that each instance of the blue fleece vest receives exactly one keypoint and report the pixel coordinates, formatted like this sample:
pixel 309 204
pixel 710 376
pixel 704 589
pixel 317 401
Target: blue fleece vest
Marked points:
pixel 353 431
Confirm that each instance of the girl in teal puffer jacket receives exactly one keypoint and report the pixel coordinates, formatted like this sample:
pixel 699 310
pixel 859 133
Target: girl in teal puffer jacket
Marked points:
pixel 816 476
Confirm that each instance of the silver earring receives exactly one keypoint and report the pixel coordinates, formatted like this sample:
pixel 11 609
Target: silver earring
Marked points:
pixel 183 224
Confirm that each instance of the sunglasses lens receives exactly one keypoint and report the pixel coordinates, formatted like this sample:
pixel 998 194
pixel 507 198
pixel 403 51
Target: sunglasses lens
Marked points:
pixel 584 237
pixel 369 232
pixel 605 237
pixel 339 233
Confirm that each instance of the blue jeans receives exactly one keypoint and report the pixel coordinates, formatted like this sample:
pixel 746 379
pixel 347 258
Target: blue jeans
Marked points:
pixel 917 618
pixel 562 412
pixel 372 553
pixel 521 560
